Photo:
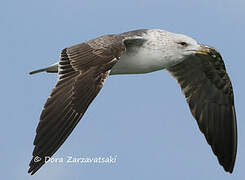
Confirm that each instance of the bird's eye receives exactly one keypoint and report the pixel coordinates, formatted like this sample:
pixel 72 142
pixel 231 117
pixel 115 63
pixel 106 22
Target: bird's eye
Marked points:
pixel 183 43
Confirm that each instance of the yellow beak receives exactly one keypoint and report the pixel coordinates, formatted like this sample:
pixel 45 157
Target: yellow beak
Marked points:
pixel 203 50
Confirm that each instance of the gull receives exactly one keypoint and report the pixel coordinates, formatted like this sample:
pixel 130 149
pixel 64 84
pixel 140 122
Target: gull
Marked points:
pixel 83 69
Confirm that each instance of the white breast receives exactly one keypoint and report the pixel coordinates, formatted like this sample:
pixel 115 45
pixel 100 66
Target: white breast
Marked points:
pixel 142 60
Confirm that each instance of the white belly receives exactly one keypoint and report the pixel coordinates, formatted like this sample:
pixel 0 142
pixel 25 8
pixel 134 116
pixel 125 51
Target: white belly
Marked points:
pixel 143 60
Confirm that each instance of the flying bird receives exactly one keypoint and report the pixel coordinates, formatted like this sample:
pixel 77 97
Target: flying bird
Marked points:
pixel 83 69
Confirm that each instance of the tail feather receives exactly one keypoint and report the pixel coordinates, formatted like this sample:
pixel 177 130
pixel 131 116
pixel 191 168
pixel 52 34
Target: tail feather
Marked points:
pixel 51 69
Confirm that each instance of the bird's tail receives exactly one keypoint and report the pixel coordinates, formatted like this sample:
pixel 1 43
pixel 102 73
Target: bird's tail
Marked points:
pixel 51 69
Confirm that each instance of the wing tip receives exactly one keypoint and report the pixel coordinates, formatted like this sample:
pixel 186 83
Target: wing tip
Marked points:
pixel 32 72
pixel 31 170
pixel 229 168
pixel 35 165
pixel 227 164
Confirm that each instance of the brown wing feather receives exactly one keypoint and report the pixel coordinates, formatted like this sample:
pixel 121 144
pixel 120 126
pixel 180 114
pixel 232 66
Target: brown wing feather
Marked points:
pixel 209 93
pixel 83 69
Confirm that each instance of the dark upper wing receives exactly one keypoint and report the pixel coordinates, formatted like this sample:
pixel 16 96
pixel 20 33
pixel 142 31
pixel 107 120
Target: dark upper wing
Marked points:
pixel 83 69
pixel 208 91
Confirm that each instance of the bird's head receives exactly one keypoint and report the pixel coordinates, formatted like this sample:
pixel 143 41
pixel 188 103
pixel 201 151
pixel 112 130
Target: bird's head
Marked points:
pixel 179 46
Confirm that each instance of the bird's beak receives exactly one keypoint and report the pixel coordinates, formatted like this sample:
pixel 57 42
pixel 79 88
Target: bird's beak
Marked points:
pixel 203 50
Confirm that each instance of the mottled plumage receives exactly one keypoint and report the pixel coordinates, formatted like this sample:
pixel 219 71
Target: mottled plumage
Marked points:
pixel 83 68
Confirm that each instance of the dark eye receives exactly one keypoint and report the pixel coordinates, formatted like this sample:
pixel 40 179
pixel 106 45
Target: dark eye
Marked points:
pixel 183 43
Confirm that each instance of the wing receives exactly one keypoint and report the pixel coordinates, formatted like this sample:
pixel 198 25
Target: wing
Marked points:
pixel 208 91
pixel 83 69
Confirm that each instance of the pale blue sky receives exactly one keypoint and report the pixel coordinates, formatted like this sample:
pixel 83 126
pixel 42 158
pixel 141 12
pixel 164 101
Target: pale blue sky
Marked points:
pixel 143 119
